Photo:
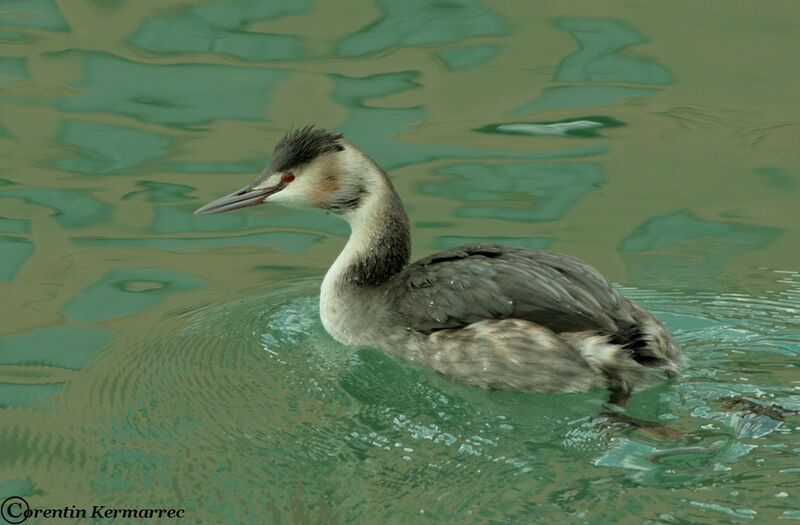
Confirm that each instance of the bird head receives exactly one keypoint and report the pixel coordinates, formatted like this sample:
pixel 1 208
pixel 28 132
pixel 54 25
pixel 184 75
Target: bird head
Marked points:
pixel 310 168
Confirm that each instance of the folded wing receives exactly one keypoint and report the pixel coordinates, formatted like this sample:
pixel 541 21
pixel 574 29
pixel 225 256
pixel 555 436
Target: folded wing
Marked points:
pixel 471 283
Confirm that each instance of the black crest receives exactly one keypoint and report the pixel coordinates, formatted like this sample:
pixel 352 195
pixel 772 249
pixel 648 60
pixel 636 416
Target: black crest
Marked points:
pixel 303 145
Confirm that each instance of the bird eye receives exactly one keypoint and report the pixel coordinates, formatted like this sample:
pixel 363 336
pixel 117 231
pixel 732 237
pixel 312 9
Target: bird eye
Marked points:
pixel 287 178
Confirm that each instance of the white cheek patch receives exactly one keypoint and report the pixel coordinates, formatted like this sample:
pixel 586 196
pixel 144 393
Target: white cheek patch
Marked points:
pixel 295 194
pixel 270 182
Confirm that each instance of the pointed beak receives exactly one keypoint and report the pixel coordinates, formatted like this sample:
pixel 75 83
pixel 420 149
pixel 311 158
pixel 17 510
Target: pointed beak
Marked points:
pixel 238 199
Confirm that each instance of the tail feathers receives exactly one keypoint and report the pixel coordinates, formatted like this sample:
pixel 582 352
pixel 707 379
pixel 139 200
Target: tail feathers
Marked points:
pixel 627 369
pixel 659 351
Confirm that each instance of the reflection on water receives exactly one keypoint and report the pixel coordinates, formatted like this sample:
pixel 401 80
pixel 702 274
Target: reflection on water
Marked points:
pixel 187 95
pixel 411 23
pixel 256 393
pixel 572 127
pixel 150 356
pixel 544 192
pixel 109 149
pixel 219 27
pixel 598 58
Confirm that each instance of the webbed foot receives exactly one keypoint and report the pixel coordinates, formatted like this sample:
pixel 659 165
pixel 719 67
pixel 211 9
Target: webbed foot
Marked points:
pixel 776 412
pixel 612 416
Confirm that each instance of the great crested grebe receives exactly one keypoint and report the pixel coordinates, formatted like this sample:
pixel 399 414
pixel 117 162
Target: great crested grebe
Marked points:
pixel 484 314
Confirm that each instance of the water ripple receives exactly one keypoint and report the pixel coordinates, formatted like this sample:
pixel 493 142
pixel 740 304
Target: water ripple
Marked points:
pixel 256 392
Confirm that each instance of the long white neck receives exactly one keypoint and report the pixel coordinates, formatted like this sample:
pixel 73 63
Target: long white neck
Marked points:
pixel 379 242
pixel 378 248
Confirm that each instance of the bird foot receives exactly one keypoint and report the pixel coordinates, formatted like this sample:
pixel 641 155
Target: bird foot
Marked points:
pixel 611 415
pixel 773 411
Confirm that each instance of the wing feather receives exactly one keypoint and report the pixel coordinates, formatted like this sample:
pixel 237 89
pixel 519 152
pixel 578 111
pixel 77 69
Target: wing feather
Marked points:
pixel 471 283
